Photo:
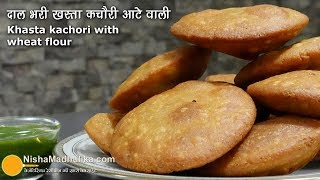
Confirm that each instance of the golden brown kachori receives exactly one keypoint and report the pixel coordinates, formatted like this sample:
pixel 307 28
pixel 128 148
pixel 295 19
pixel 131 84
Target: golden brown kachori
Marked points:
pixel 300 56
pixel 274 147
pixel 185 127
pixel 296 92
pixel 229 78
pixel 100 129
pixel 160 74
pixel 244 32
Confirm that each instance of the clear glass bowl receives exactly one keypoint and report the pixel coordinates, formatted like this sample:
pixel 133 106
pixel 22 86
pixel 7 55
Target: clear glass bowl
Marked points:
pixel 30 139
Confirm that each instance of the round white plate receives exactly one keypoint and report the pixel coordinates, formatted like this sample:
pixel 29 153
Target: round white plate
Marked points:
pixel 80 145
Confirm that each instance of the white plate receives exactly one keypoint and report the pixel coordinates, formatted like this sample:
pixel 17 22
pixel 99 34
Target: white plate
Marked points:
pixel 81 145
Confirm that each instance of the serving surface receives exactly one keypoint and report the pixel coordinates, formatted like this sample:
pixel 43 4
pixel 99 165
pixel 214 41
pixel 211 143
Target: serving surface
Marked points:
pixel 81 145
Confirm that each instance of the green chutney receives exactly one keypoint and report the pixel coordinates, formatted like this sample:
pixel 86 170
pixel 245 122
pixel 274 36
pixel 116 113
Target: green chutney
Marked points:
pixel 27 139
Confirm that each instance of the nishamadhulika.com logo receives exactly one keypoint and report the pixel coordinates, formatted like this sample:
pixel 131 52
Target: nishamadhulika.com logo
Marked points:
pixel 12 165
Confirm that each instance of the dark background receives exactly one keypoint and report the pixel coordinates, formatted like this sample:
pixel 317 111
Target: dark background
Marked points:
pixel 50 80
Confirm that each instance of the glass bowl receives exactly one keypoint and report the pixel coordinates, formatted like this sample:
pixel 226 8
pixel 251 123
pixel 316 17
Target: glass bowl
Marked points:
pixel 26 145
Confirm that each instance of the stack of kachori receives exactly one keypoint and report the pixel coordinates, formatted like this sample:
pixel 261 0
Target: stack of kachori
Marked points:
pixel 166 120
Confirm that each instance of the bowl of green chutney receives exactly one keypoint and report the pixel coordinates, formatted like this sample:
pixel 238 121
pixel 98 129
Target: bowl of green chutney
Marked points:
pixel 26 145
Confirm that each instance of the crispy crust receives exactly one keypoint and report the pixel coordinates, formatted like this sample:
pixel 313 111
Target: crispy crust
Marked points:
pixel 100 129
pixel 160 74
pixel 296 92
pixel 242 32
pixel 229 78
pixel 274 147
pixel 300 56
pixel 185 127
pixel 317 158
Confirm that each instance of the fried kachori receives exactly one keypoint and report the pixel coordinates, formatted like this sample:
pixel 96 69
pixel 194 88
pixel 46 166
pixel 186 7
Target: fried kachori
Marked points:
pixel 274 147
pixel 229 78
pixel 244 32
pixel 100 129
pixel 300 56
pixel 160 74
pixel 296 92
pixel 185 127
